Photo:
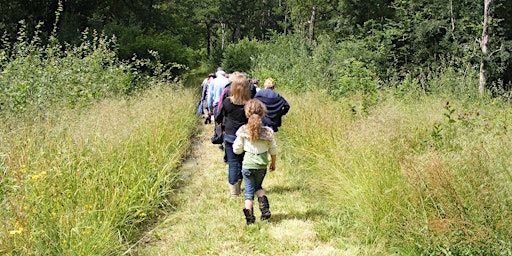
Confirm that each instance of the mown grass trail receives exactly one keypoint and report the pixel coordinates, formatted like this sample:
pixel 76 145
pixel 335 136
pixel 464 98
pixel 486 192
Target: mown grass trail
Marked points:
pixel 206 222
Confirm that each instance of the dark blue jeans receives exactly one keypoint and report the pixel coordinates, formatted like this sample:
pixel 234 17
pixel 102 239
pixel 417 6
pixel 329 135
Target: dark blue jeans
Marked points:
pixel 234 160
pixel 253 178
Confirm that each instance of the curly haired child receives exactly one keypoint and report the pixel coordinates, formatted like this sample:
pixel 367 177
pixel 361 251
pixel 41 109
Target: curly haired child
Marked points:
pixel 257 141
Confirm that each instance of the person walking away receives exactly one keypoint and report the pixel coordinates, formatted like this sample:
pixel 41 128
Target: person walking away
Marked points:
pixel 225 92
pixel 204 96
pixel 276 105
pixel 256 83
pixel 256 142
pixel 215 89
pixel 231 115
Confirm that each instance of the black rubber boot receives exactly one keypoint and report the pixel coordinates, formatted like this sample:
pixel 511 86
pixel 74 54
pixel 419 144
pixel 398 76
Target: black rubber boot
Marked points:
pixel 264 207
pixel 249 216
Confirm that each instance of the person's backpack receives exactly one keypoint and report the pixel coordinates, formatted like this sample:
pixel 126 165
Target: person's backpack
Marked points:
pixel 218 137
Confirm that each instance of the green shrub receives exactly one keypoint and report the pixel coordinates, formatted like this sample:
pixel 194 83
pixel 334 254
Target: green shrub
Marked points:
pixel 286 59
pixel 240 56
pixel 328 66
pixel 35 76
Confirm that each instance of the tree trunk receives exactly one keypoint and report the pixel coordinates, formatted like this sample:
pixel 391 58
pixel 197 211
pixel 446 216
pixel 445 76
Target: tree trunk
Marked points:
pixel 223 26
pixel 312 25
pixel 208 39
pixel 452 19
pixel 237 35
pixel 484 45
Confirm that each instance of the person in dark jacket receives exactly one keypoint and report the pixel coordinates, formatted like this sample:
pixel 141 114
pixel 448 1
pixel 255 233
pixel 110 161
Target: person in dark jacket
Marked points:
pixel 231 115
pixel 277 106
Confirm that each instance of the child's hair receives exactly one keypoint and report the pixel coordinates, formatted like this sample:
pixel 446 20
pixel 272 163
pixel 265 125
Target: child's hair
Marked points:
pixel 254 110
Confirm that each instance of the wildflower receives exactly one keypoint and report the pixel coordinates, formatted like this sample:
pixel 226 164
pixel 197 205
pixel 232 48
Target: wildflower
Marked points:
pixel 86 231
pixel 142 214
pixel 17 231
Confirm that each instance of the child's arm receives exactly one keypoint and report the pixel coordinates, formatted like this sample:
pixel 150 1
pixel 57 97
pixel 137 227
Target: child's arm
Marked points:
pixel 273 152
pixel 272 163
pixel 238 145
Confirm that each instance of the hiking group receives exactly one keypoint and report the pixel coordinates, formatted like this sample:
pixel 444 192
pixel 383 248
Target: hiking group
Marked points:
pixel 245 119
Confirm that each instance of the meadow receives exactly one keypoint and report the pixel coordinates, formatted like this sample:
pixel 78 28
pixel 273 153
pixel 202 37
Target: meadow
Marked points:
pixel 86 182
pixel 91 153
pixel 424 175
pixel 429 176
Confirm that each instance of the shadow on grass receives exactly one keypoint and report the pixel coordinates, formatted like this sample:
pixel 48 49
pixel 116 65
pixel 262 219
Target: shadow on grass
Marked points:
pixel 309 214
pixel 285 189
pixel 312 214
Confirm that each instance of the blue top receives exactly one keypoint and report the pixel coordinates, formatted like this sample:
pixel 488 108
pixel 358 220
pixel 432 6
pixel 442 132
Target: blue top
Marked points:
pixel 215 89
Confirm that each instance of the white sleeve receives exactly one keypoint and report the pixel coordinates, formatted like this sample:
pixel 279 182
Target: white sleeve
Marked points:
pixel 238 145
pixel 273 147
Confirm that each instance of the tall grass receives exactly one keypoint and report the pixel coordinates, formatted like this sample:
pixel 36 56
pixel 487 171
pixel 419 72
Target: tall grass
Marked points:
pixel 85 182
pixel 417 165
pixel 429 175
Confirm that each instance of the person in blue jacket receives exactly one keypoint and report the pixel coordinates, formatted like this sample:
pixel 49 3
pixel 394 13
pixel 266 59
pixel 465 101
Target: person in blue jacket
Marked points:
pixel 276 105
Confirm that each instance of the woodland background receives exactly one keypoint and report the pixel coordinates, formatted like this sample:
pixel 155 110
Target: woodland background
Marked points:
pixel 393 39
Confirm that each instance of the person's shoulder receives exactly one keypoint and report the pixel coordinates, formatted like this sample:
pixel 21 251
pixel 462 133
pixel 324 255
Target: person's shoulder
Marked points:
pixel 242 132
pixel 262 93
pixel 267 93
pixel 227 101
pixel 267 133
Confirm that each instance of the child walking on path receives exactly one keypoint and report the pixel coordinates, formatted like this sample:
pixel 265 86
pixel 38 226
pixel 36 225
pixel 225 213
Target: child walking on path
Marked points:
pixel 257 141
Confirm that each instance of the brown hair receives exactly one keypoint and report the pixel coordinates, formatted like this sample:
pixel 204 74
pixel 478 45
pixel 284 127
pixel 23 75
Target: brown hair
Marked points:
pixel 240 91
pixel 254 110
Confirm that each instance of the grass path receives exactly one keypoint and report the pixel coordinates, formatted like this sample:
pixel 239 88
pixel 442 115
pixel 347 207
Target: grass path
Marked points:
pixel 206 222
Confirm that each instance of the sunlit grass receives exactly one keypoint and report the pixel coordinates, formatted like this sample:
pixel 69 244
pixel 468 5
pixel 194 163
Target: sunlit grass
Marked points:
pixel 85 183
pixel 403 175
pixel 415 176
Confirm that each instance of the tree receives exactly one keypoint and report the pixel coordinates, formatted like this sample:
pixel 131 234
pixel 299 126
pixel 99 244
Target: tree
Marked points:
pixel 311 17
pixel 484 45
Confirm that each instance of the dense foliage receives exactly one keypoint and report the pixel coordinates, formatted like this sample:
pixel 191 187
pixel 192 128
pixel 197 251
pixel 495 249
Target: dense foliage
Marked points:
pixel 406 38
pixel 38 76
